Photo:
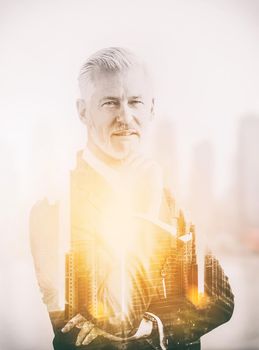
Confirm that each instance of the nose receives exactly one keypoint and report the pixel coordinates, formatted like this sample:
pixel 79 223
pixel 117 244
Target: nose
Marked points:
pixel 126 115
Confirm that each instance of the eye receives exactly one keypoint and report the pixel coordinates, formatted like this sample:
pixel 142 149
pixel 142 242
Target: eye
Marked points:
pixel 110 104
pixel 136 102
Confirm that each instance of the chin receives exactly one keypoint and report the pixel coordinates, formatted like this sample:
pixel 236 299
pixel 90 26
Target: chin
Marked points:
pixel 119 153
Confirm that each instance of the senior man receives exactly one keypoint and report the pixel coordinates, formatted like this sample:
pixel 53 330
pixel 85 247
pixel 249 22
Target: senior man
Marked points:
pixel 131 272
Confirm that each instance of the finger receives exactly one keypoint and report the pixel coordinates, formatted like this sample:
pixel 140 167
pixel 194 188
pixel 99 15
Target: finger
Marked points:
pixel 72 323
pixel 80 324
pixel 86 328
pixel 108 336
pixel 144 329
pixel 91 336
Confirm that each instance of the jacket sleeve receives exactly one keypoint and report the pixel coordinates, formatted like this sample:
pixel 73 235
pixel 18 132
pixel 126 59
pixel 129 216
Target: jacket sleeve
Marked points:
pixel 44 248
pixel 185 313
pixel 212 308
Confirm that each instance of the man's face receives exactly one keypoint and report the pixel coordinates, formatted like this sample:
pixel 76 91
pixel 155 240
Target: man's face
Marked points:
pixel 117 111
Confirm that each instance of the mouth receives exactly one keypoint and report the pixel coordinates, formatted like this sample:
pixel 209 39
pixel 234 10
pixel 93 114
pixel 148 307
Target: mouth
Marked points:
pixel 125 132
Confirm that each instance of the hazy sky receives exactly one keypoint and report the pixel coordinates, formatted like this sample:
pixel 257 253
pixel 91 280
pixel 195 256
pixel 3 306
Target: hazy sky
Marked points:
pixel 204 55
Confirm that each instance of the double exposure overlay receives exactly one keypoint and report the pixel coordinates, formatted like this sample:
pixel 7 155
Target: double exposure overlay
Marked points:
pixel 122 273
pixel 122 269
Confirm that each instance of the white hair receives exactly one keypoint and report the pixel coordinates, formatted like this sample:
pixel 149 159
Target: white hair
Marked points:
pixel 112 59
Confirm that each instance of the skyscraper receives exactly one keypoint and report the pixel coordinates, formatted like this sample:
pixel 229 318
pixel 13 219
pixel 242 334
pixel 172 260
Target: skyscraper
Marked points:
pixel 187 260
pixel 216 283
pixel 201 198
pixel 247 178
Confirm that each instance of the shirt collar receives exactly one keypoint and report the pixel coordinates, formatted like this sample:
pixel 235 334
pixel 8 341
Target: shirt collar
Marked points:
pixel 112 176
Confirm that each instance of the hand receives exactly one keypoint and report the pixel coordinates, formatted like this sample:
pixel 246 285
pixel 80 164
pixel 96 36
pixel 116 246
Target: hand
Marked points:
pixel 88 331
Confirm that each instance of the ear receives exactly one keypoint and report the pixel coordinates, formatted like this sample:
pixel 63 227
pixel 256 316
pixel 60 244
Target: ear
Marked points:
pixel 81 108
pixel 152 114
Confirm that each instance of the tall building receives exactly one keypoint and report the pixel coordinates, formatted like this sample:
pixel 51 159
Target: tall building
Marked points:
pixel 79 285
pixel 165 151
pixel 216 284
pixel 193 270
pixel 187 260
pixel 247 177
pixel 201 197
pixel 81 266
pixel 166 270
pixel 107 284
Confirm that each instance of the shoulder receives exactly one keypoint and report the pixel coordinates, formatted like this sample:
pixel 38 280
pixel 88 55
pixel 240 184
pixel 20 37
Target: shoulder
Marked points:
pixel 43 206
pixel 43 212
pixel 43 223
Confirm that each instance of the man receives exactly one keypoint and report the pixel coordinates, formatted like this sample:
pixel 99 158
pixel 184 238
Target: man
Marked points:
pixel 131 272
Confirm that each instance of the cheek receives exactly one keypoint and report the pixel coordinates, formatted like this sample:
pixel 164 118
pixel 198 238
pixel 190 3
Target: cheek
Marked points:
pixel 101 122
pixel 102 130
pixel 144 119
pixel 143 115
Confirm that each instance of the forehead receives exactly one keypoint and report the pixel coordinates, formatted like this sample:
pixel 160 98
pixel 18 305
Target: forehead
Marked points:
pixel 131 81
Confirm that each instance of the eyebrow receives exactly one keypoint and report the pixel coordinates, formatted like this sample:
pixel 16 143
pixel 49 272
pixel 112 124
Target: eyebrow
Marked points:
pixel 114 98
pixel 135 97
pixel 109 98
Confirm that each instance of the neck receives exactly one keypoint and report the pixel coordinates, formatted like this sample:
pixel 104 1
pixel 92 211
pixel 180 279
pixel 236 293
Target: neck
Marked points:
pixel 108 160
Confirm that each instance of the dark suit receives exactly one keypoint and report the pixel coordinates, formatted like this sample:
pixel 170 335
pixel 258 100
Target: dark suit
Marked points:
pixel 162 288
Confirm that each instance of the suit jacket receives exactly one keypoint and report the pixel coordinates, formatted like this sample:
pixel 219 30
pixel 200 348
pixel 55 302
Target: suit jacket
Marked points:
pixel 162 269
